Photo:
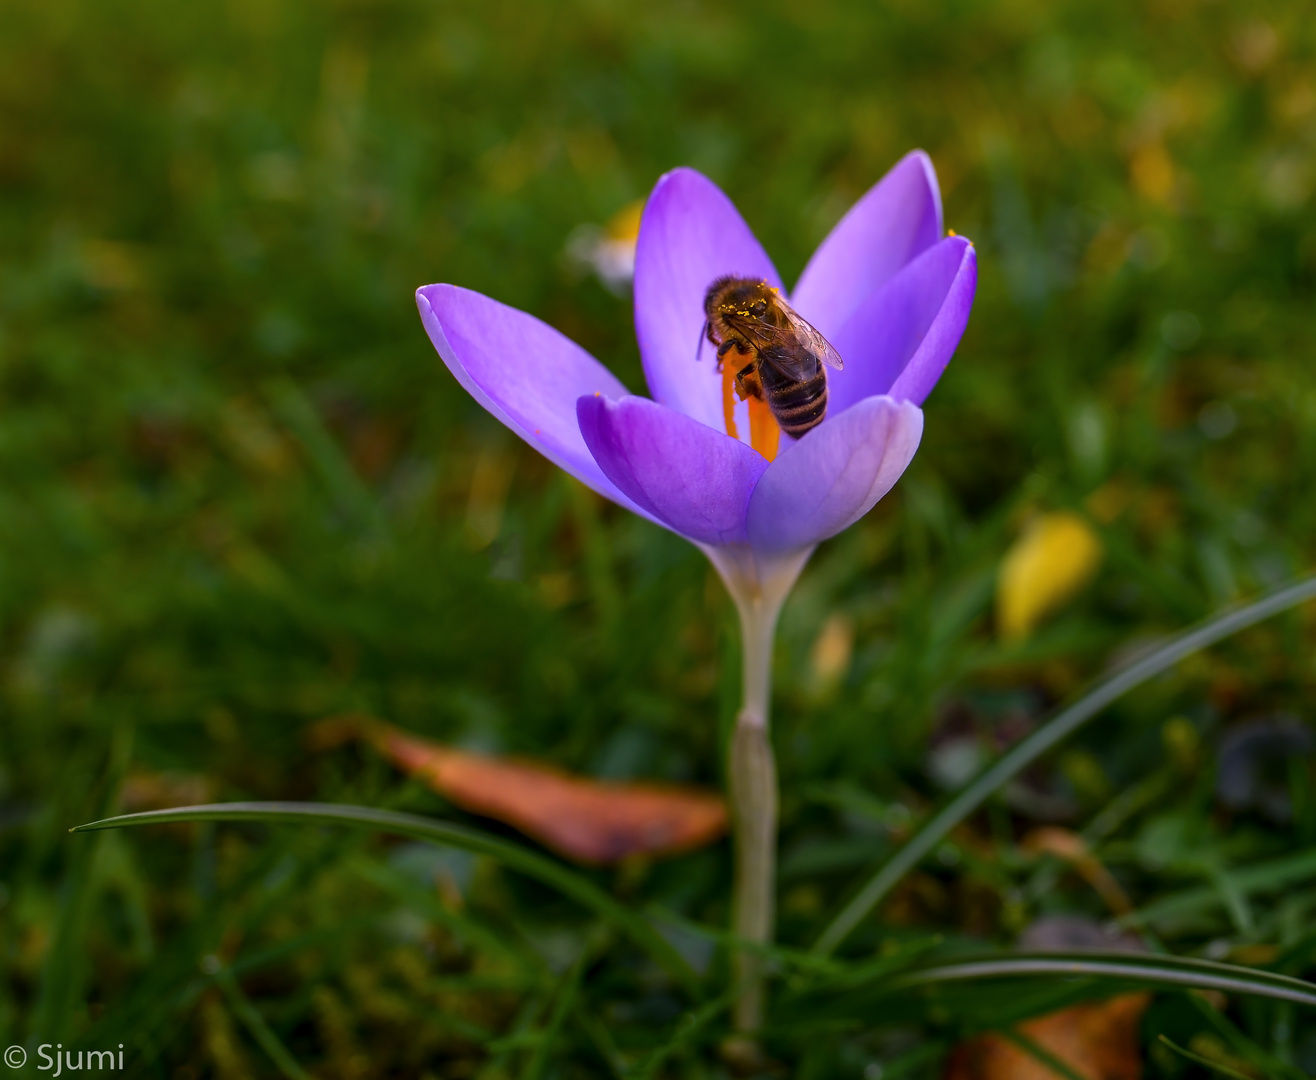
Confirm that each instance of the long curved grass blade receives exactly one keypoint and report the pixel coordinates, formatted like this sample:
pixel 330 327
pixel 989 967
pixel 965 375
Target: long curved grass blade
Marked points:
pixel 531 864
pixel 1141 968
pixel 1054 731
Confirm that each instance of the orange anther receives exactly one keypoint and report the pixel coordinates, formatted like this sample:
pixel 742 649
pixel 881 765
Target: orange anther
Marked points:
pixel 764 431
pixel 729 394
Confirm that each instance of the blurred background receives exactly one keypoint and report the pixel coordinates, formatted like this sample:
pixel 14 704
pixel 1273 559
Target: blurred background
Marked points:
pixel 239 494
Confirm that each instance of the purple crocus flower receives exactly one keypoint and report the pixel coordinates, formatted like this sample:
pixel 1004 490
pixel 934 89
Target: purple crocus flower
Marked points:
pixel 890 294
pixel 885 288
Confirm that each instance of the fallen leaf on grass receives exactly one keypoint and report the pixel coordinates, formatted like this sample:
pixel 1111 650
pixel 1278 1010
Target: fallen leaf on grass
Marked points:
pixel 1095 1040
pixel 1098 1041
pixel 591 821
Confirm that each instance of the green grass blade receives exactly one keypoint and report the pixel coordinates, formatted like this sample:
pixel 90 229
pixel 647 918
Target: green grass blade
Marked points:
pixel 530 863
pixel 1260 878
pixel 1131 967
pixel 1205 1062
pixel 564 1000
pixel 1028 750
pixel 1269 1065
pixel 914 1060
pixel 256 1026
pixel 686 1029
pixel 427 903
pixel 335 471
pixel 857 976
pixel 779 956
pixel 604 1044
pixel 65 969
pixel 1041 1054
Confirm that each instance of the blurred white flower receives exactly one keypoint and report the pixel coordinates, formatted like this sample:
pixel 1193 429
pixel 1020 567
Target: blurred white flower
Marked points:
pixel 609 251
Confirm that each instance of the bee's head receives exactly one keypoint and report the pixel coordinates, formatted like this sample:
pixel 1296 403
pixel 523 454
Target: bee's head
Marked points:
pixel 744 298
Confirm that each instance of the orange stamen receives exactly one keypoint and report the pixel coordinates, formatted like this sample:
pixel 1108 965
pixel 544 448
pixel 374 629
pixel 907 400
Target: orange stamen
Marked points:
pixel 729 395
pixel 764 432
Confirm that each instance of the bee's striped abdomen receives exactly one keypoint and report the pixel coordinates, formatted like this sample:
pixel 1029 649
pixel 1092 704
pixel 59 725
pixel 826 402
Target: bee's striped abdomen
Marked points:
pixel 798 405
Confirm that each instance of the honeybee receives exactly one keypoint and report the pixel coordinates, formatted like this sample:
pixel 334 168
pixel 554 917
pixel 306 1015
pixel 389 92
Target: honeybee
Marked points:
pixel 781 355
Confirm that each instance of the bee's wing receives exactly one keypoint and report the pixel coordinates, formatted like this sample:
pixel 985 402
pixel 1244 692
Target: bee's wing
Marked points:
pixel 796 364
pixel 817 344
pixel 796 333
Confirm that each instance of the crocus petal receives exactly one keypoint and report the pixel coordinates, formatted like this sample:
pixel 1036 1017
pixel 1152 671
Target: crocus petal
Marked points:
pixel 834 475
pixel 897 219
pixel 901 339
pixel 691 478
pixel 524 372
pixel 690 235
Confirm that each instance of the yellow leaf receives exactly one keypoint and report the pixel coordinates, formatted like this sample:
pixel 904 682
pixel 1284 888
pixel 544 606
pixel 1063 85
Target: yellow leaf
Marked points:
pixel 832 650
pixel 1047 566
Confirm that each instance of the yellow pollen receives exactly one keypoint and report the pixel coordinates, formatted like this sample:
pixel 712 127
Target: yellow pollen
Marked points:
pixel 951 232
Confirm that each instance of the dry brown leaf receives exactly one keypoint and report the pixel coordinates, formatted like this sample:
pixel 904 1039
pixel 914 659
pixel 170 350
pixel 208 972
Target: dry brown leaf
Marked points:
pixel 590 821
pixel 1098 1041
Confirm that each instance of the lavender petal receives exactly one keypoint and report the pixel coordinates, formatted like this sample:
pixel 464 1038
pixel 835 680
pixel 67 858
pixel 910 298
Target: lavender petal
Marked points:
pixel 522 371
pixel 902 337
pixel 834 475
pixel 898 219
pixel 689 477
pixel 690 235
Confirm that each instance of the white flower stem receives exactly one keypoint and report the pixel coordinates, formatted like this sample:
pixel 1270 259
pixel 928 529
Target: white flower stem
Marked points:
pixel 759 588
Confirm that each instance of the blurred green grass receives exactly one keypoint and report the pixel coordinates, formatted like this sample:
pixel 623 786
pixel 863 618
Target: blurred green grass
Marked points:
pixel 241 494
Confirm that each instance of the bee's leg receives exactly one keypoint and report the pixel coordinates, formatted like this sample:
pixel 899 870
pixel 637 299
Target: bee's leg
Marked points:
pixel 747 381
pixel 723 347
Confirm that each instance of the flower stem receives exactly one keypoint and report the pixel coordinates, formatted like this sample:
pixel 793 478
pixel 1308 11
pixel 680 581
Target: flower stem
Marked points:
pixel 754 795
pixel 753 776
pixel 759 585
